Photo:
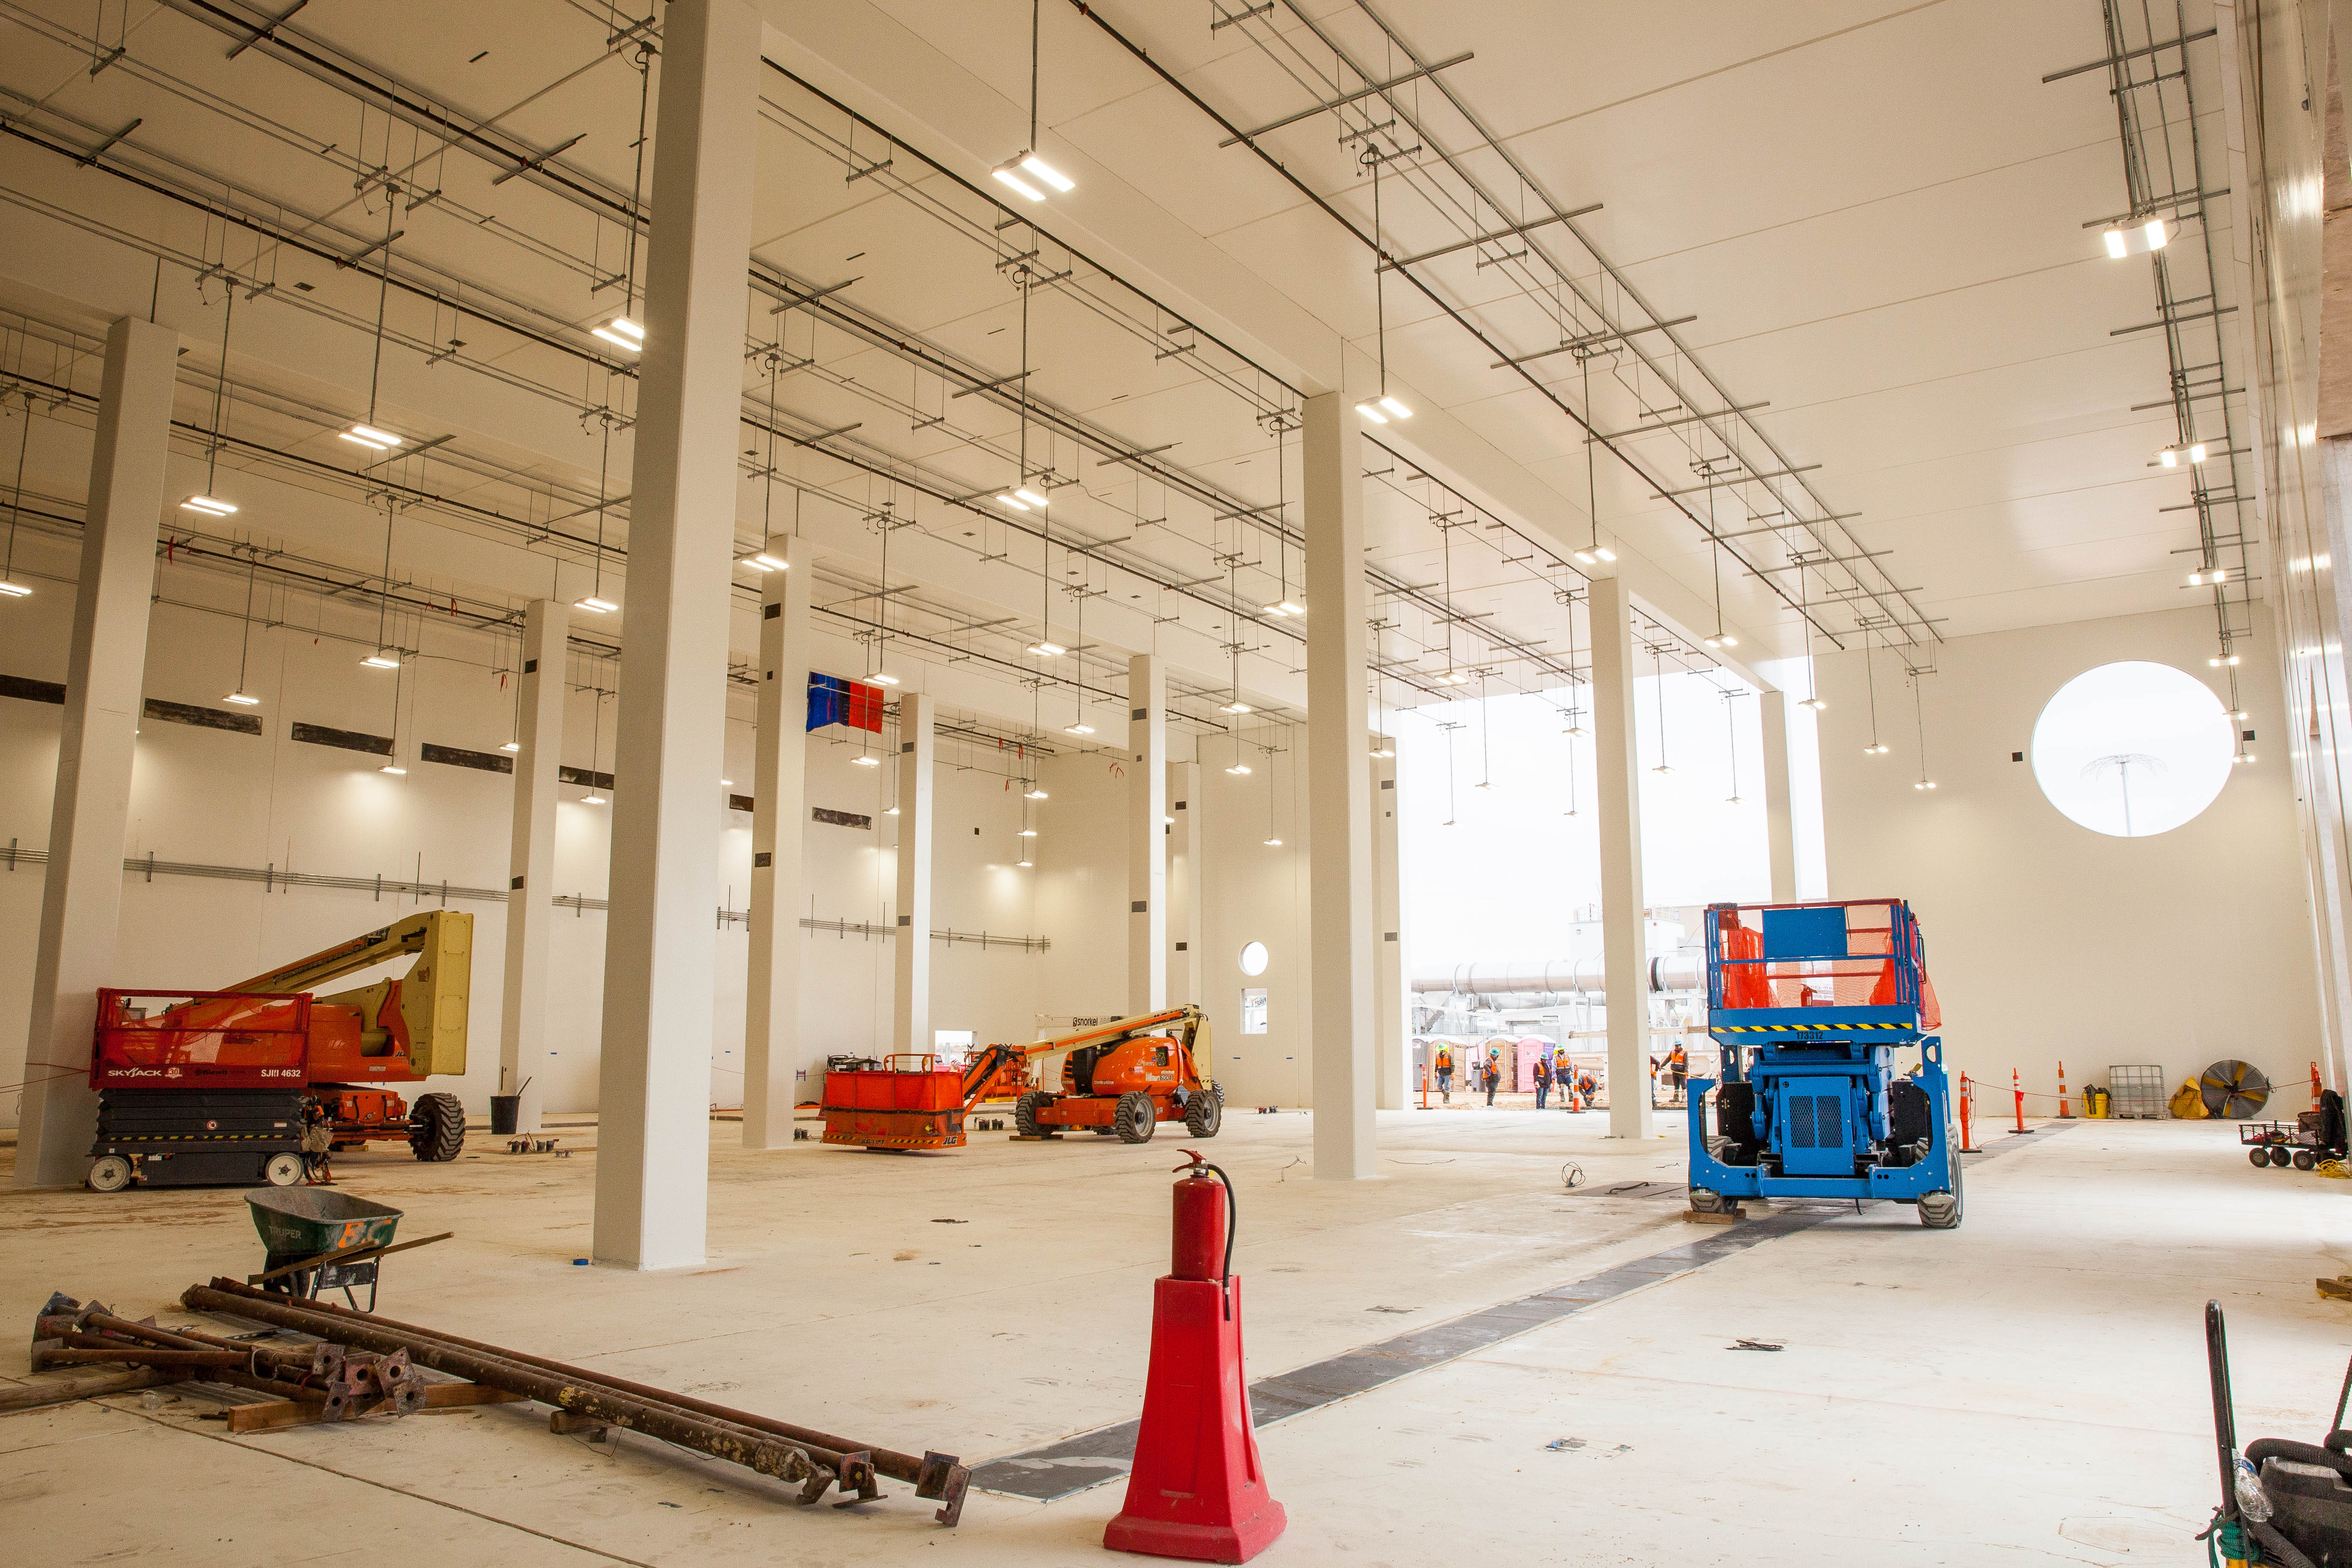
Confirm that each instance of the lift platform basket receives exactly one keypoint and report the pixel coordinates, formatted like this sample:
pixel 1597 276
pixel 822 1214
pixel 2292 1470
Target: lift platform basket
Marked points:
pixel 909 1102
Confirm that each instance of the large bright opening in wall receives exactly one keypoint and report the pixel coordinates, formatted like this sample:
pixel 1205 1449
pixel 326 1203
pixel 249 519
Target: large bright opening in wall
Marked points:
pixel 2132 748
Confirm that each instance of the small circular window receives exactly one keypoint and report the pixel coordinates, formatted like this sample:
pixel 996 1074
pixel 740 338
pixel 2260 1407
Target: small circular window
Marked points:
pixel 1254 959
pixel 2133 749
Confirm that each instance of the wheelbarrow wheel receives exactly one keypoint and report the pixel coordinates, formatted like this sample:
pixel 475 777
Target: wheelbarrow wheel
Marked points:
pixel 436 1127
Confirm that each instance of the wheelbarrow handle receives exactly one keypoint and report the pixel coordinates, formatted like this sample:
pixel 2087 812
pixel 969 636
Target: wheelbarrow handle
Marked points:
pixel 349 1255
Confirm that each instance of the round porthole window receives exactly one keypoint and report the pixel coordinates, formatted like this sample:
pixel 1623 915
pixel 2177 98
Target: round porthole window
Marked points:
pixel 2133 749
pixel 1254 958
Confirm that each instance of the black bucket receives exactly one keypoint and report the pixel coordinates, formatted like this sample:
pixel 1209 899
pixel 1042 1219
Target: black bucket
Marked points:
pixel 505 1111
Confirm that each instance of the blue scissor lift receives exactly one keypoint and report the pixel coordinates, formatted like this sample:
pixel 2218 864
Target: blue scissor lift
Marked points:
pixel 1808 1004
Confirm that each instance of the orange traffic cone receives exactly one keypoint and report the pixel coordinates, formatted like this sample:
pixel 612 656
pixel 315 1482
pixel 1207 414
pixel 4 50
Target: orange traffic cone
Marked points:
pixel 1197 1491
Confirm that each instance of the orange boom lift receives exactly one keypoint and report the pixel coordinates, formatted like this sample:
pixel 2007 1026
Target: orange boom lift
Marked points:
pixel 1123 1078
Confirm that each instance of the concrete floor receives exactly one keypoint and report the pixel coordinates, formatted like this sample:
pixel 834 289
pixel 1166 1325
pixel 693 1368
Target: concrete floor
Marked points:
pixel 2030 1387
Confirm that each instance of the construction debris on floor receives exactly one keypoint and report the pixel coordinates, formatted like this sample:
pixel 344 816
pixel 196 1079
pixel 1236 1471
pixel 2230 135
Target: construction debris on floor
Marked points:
pixel 355 1364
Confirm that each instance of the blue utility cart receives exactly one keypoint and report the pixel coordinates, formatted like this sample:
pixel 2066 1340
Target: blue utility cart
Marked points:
pixel 1810 1002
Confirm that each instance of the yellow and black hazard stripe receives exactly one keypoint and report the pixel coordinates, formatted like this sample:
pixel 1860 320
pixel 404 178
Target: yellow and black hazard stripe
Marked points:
pixel 200 1137
pixel 1800 1028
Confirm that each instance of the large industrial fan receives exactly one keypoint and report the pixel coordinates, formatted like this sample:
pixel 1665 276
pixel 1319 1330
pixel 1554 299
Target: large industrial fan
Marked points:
pixel 2232 1090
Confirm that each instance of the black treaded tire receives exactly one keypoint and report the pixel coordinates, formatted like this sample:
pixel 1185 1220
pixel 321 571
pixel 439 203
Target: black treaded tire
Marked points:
pixel 436 1127
pixel 2259 1158
pixel 1203 1114
pixel 1025 1112
pixel 2281 1156
pixel 1704 1200
pixel 1940 1211
pixel 1136 1117
pixel 2305 1160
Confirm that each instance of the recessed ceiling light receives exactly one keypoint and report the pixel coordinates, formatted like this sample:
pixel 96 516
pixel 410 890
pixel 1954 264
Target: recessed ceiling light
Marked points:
pixel 211 506
pixel 243 699
pixel 382 659
pixel 1031 496
pixel 15 590
pixel 1047 649
pixel 600 606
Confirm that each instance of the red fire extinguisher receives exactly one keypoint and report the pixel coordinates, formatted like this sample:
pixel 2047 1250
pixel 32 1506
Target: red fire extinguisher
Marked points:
pixel 1207 1215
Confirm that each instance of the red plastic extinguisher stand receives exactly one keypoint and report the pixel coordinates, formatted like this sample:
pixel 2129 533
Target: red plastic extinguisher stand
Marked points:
pixel 1197 1491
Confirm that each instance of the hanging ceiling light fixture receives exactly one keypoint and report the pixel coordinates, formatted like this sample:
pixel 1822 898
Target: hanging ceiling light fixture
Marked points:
pixel 595 750
pixel 1877 748
pixel 1273 839
pixel 1382 408
pixel 240 696
pixel 386 656
pixel 367 433
pixel 10 586
pixel 205 502
pixel 1283 605
pixel 594 601
pixel 623 332
pixel 1731 731
pixel 1715 562
pixel 1919 719
pixel 1658 675
pixel 391 759
pixel 1026 162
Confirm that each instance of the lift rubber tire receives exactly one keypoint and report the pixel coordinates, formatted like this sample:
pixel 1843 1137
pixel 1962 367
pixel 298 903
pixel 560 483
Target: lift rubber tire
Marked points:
pixel 2280 1156
pixel 1136 1117
pixel 111 1173
pixel 1940 1211
pixel 1704 1201
pixel 1025 1112
pixel 283 1170
pixel 2259 1158
pixel 1203 1114
pixel 436 1127
pixel 2305 1160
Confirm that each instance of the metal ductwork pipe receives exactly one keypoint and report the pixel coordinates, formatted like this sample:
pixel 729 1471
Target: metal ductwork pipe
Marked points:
pixel 1563 980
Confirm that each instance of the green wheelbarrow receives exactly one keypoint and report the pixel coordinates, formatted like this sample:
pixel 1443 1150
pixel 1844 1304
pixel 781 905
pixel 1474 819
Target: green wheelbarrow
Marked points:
pixel 318 1239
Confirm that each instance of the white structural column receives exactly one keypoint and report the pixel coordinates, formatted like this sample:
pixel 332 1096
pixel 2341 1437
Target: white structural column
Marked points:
pixel 1147 835
pixel 776 1076
pixel 1780 829
pixel 1183 862
pixel 530 857
pixel 1339 792
pixel 1621 926
pixel 1389 999
pixel 81 900
pixel 911 997
pixel 653 1179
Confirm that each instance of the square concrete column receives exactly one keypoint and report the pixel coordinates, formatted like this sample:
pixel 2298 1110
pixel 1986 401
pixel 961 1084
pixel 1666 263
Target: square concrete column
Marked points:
pixel 530 857
pixel 1147 835
pixel 661 944
pixel 776 1075
pixel 911 1010
pixel 1780 829
pixel 81 898
pixel 1622 943
pixel 1390 1004
pixel 1339 792
pixel 1185 976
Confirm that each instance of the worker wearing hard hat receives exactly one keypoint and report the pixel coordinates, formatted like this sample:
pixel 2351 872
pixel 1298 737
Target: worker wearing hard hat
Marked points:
pixel 1445 1072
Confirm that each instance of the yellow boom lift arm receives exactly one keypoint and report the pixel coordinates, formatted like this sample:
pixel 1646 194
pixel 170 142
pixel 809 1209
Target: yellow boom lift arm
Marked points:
pixel 432 994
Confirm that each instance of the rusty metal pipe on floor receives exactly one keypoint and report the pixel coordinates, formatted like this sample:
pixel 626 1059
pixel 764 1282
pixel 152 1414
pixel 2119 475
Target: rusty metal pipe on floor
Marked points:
pixel 140 1355
pixel 752 1448
pixel 936 1477
pixel 34 1397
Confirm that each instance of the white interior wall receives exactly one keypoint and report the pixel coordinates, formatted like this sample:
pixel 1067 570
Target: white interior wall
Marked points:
pixel 215 797
pixel 2048 942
